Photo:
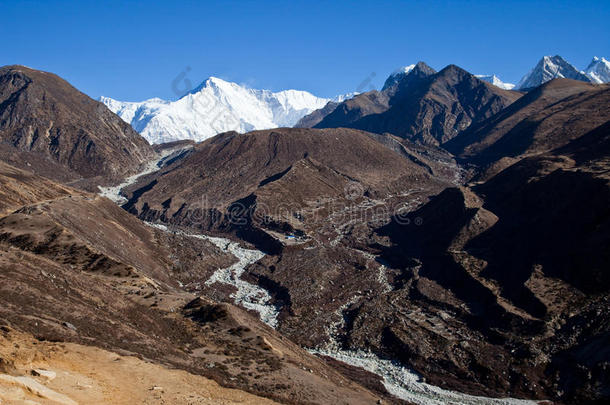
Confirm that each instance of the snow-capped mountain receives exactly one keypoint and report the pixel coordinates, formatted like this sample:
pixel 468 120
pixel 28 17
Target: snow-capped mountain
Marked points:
pixel 215 106
pixel 397 75
pixel 549 68
pixel 598 70
pixel 495 80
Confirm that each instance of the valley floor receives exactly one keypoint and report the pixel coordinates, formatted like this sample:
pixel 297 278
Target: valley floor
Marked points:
pixel 399 381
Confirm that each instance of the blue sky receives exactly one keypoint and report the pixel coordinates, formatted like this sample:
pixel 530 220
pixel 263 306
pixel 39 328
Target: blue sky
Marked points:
pixel 132 50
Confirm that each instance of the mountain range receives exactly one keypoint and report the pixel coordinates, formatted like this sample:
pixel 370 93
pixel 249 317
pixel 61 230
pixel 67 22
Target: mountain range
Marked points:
pixel 424 106
pixel 442 240
pixel 218 106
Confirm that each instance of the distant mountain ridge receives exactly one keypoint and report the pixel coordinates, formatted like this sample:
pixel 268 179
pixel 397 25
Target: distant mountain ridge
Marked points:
pixel 218 106
pixel 530 125
pixel 598 70
pixel 422 105
pixel 214 107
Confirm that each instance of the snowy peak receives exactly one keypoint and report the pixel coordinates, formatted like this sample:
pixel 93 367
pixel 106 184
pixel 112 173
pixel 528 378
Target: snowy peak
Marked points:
pixel 495 80
pixel 549 68
pixel 419 69
pixel 403 70
pixel 213 107
pixel 397 75
pixel 598 70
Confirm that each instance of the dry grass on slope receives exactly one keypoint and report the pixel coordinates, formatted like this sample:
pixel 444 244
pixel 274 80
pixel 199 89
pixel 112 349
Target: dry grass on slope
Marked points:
pixel 88 375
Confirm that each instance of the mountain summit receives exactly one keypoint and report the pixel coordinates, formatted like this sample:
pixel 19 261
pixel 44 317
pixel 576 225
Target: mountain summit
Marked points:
pixel 549 68
pixel 419 69
pixel 423 106
pixel 397 75
pixel 598 70
pixel 215 106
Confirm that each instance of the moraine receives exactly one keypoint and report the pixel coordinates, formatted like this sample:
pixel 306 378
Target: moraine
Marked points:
pixel 249 296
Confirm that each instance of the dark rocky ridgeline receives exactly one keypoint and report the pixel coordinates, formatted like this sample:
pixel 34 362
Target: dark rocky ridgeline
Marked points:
pixel 423 105
pixel 349 112
pixel 48 126
pixel 313 118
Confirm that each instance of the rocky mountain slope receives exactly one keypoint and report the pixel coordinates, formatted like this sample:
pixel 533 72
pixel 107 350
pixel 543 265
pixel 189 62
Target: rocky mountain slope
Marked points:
pixel 215 106
pixel 266 176
pixel 531 124
pixel 48 125
pixel 77 268
pixel 423 106
pixel 37 371
pixel 20 187
pixel 531 241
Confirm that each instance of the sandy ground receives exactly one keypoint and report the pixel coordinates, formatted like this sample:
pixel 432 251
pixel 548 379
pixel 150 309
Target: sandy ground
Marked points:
pixel 79 374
